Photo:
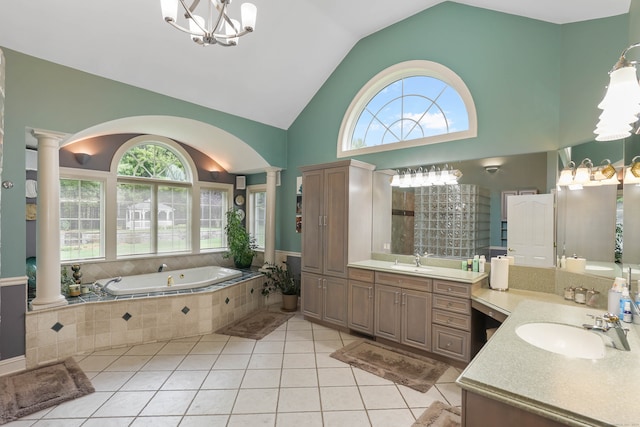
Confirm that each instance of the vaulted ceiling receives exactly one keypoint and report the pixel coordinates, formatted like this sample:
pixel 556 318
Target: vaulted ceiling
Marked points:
pixel 269 77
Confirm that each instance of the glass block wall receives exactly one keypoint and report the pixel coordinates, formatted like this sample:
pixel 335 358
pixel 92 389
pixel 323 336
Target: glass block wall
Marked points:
pixel 452 220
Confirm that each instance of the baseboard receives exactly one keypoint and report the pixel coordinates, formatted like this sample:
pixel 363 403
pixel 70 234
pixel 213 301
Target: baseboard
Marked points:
pixel 15 364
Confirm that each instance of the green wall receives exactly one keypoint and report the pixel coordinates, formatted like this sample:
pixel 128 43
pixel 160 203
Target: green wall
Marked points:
pixel 520 72
pixel 43 95
pixel 535 86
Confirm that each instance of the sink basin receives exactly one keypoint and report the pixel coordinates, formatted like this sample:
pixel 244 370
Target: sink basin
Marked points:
pixel 568 340
pixel 410 268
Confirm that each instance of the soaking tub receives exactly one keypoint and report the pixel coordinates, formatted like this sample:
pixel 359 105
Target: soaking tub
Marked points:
pixel 167 280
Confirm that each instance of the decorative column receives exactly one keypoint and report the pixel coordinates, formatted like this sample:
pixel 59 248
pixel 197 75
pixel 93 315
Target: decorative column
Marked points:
pixel 270 231
pixel 48 217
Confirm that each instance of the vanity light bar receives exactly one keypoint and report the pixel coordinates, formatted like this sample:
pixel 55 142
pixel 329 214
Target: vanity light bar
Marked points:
pixel 423 177
pixel 576 178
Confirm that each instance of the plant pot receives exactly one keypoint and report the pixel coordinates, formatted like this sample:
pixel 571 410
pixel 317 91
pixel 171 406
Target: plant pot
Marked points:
pixel 242 262
pixel 289 302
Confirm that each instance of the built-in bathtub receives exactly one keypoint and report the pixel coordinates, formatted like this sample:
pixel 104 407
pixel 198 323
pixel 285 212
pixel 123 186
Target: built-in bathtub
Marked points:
pixel 171 280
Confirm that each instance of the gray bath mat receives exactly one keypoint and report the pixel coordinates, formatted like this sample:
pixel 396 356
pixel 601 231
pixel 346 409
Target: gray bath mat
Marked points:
pixel 257 325
pixel 33 390
pixel 439 415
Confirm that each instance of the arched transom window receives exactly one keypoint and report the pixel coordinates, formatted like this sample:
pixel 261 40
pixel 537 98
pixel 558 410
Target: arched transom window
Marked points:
pixel 409 104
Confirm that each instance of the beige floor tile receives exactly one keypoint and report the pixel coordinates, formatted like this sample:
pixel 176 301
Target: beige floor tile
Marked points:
pixel 304 377
pixel 170 402
pixel 239 347
pixel 299 399
pixel 214 337
pixel 335 377
pixel 110 381
pixel 275 336
pixel 382 397
pixel 251 420
pixel 208 347
pixel 391 417
pixel 264 347
pixel 97 363
pixel 128 363
pixel 164 421
pixel 185 380
pixel 232 361
pixel 212 402
pixel 163 363
pixel 450 375
pixel 204 421
pixel 194 362
pixel 299 360
pixel 145 349
pixel 324 360
pixel 146 380
pixel 367 378
pixel 124 404
pixel 265 361
pixel 298 419
pixel 261 378
pixel 177 348
pixel 223 379
pixel 451 392
pixel 295 325
pixel 256 401
pixel 299 346
pixel 327 346
pixel 340 398
pixel 326 335
pixel 82 407
pixel 416 399
pixel 108 422
pixel 347 419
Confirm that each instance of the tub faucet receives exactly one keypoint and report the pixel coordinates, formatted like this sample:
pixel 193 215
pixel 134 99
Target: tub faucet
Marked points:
pixel 609 326
pixel 104 287
pixel 417 259
pixel 161 268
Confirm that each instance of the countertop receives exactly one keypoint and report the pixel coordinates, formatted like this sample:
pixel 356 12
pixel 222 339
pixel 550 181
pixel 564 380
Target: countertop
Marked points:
pixel 457 275
pixel 577 392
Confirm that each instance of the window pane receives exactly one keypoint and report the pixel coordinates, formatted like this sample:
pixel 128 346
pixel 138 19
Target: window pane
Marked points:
pixel 257 227
pixel 134 219
pixel 173 219
pixel 213 205
pixel 81 224
pixel 152 161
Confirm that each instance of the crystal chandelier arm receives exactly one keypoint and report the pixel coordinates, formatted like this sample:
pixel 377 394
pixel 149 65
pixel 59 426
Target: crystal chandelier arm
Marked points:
pixel 623 62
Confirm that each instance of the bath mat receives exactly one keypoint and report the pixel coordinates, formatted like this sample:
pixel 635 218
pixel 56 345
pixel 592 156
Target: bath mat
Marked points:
pixel 257 325
pixel 439 415
pixel 402 367
pixel 33 390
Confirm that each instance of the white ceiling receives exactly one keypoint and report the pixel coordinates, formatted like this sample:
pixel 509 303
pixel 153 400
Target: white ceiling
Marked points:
pixel 272 74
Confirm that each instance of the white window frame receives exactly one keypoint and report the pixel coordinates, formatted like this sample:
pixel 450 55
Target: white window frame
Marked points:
pixel 385 78
pixel 251 189
pixel 196 213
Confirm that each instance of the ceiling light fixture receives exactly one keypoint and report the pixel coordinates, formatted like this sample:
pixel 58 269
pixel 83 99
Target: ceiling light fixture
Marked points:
pixel 621 103
pixel 213 25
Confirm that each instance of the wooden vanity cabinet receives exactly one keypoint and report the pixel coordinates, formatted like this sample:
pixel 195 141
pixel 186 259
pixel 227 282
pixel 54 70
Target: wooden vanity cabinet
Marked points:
pixel 337 227
pixel 360 300
pixel 452 320
pixel 403 309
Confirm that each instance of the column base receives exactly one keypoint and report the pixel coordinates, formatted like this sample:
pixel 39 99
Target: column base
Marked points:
pixel 41 305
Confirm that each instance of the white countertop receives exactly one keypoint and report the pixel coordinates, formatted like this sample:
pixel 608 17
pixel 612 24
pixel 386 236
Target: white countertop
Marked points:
pixel 457 275
pixel 574 391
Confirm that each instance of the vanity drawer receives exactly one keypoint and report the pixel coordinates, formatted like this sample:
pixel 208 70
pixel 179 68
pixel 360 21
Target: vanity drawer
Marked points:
pixel 454 320
pixel 457 305
pixel 361 275
pixel 499 316
pixel 462 290
pixel 451 343
pixel 404 281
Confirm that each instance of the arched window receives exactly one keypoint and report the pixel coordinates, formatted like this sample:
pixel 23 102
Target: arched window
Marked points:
pixel 409 104
pixel 153 198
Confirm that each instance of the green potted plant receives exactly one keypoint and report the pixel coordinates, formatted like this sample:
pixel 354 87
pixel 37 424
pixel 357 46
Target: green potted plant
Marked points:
pixel 280 278
pixel 241 245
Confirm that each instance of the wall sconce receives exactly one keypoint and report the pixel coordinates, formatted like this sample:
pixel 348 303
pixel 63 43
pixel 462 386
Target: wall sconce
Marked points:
pixel 621 103
pixel 632 172
pixel 82 158
pixel 492 168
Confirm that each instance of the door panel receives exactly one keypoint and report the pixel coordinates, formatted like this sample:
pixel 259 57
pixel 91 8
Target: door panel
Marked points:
pixel 387 319
pixel 335 300
pixel 336 181
pixel 530 229
pixel 312 228
pixel 416 319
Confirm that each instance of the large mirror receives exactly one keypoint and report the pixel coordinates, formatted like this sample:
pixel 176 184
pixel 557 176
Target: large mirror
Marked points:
pixel 597 223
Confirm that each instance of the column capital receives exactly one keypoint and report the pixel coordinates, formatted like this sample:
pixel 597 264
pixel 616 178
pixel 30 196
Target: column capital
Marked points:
pixel 272 169
pixel 42 133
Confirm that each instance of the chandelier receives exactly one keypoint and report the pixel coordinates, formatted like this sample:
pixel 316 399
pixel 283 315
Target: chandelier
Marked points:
pixel 212 25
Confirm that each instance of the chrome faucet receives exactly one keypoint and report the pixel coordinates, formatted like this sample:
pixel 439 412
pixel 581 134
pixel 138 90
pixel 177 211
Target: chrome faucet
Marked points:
pixel 103 288
pixel 162 267
pixel 609 326
pixel 417 259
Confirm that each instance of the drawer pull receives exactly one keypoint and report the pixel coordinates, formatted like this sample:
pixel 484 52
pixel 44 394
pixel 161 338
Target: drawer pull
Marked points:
pixel 449 304
pixel 449 290
pixel 448 344
pixel 449 320
pixel 491 314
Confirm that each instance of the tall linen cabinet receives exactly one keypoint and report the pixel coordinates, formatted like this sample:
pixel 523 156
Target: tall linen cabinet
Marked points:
pixel 336 230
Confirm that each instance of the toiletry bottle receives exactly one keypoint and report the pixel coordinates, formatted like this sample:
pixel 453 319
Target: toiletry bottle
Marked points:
pixel 638 296
pixel 563 262
pixel 613 298
pixel 464 265
pixel 476 262
pixel 624 299
pixel 469 264
pixel 627 316
pixel 481 264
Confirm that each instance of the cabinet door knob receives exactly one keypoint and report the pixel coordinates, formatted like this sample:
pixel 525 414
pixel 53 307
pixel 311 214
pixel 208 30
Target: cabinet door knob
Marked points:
pixel 449 290
pixel 448 344
pixel 370 292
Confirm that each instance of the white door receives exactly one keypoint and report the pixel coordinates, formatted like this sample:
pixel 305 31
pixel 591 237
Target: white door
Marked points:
pixel 530 229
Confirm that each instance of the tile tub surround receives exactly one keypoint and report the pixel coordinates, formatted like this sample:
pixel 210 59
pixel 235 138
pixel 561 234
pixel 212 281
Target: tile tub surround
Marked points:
pixel 567 390
pixel 58 333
